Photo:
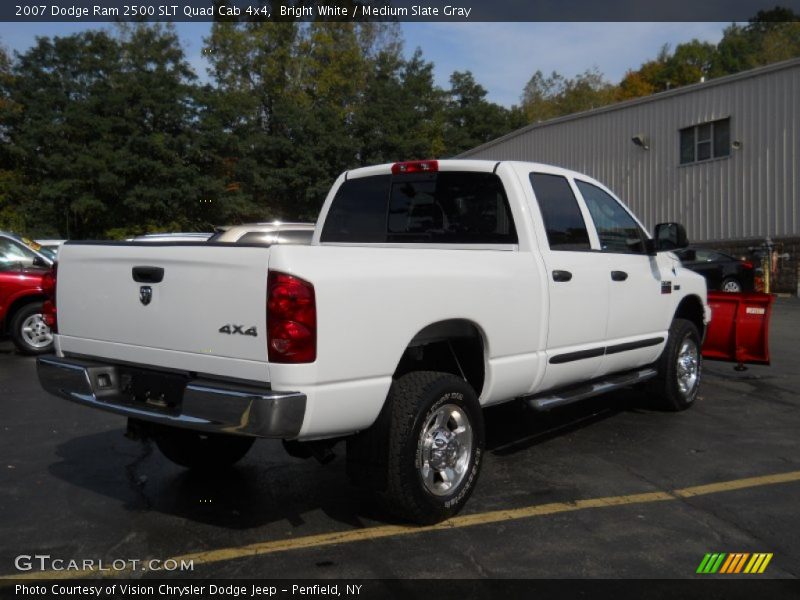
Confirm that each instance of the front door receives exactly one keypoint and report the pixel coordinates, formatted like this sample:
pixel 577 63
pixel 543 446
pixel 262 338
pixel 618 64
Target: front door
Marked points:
pixel 639 288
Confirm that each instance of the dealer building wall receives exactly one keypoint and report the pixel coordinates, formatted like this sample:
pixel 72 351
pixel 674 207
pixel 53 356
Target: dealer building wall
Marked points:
pixel 721 157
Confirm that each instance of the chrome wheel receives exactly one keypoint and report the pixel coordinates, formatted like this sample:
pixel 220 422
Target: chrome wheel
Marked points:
pixel 35 332
pixel 688 367
pixel 444 450
pixel 732 286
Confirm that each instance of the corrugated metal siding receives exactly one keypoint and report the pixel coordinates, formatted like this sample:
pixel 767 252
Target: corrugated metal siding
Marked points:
pixel 750 194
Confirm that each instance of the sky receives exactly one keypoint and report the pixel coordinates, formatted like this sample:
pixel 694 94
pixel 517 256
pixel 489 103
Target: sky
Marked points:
pixel 501 56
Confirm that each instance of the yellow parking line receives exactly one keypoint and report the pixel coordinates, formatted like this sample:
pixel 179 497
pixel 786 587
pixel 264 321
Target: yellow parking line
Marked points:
pixel 385 531
pixel 737 484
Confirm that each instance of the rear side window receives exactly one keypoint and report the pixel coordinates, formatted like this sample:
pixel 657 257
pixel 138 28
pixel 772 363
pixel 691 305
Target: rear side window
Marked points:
pixel 617 230
pixel 438 208
pixel 563 221
pixel 358 212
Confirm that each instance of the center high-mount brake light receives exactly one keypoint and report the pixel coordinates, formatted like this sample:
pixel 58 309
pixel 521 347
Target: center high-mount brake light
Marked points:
pixel 415 166
pixel 291 319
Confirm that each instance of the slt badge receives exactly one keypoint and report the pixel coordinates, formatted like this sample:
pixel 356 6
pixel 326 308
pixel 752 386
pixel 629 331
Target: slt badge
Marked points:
pixel 145 294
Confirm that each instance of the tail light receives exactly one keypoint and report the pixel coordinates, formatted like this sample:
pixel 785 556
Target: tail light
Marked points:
pixel 49 311
pixel 415 166
pixel 747 264
pixel 291 319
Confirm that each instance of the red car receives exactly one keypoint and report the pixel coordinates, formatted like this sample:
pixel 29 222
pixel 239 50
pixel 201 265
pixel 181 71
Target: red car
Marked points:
pixel 24 277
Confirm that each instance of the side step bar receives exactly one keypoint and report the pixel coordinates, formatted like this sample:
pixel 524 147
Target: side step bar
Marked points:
pixel 555 398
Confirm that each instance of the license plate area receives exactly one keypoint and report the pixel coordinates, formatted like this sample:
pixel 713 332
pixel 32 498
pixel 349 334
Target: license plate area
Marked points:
pixel 152 390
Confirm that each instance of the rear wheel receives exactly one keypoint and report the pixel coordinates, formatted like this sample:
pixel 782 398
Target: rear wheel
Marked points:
pixel 679 368
pixel 433 426
pixel 29 332
pixel 196 450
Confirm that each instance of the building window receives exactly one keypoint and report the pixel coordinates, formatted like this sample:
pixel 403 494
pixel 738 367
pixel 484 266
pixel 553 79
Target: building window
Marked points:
pixel 706 141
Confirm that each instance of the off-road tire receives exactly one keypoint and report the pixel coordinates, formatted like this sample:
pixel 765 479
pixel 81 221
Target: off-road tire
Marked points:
pixel 196 450
pixel 664 390
pixel 413 401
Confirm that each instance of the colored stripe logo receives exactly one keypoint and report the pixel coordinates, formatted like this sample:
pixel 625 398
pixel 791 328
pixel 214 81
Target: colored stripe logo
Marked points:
pixel 734 563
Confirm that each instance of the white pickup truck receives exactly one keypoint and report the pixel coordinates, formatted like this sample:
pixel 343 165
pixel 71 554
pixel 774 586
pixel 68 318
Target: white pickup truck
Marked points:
pixel 430 289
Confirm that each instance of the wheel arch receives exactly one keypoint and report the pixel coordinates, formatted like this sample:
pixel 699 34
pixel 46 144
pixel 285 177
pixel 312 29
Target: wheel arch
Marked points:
pixel 456 346
pixel 691 309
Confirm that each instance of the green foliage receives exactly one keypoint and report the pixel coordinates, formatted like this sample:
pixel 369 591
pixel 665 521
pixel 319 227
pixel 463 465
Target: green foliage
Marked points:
pixel 769 37
pixel 108 134
pixel 101 134
pixel 554 96
pixel 470 120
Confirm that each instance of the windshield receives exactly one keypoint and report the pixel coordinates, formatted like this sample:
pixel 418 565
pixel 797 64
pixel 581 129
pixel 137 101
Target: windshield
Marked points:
pixel 23 250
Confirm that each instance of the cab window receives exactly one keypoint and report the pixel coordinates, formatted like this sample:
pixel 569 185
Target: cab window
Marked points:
pixel 617 230
pixel 563 221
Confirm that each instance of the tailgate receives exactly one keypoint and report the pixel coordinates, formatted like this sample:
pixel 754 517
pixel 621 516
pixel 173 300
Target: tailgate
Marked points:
pixel 184 306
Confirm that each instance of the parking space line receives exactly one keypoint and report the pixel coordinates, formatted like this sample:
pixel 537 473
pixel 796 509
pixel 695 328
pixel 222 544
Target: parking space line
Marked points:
pixel 386 531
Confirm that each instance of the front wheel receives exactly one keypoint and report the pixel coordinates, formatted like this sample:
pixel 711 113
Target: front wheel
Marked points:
pixel 196 450
pixel 29 332
pixel 732 285
pixel 679 368
pixel 436 443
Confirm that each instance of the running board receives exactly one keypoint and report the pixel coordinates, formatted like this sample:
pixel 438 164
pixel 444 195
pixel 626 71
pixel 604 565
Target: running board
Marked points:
pixel 564 396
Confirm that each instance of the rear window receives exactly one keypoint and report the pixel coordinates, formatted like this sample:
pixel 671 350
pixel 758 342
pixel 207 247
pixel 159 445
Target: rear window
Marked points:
pixel 438 208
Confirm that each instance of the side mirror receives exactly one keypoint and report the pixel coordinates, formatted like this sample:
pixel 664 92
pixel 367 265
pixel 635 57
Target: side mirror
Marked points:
pixel 38 261
pixel 670 236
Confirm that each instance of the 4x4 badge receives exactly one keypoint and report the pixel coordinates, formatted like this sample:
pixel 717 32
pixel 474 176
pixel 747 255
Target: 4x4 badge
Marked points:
pixel 145 294
pixel 231 329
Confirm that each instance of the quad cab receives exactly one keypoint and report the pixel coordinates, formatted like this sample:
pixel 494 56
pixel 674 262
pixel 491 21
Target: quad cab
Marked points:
pixel 430 290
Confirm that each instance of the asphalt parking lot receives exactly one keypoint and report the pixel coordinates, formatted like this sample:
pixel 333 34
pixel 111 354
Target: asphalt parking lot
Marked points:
pixel 606 489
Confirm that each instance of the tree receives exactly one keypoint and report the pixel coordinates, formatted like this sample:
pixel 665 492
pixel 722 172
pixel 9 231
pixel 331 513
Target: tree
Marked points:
pixel 554 96
pixel 539 96
pixel 10 215
pixel 101 139
pixel 470 119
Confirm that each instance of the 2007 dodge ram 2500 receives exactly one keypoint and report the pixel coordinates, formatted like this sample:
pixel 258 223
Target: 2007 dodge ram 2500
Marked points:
pixel 430 289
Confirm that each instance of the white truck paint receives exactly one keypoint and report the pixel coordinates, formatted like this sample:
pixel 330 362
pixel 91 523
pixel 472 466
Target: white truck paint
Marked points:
pixel 374 301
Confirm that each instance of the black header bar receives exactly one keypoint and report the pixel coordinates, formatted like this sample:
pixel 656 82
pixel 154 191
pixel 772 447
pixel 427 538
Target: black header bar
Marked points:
pixel 464 11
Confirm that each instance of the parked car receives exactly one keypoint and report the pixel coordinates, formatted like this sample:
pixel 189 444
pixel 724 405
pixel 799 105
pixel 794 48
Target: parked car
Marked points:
pixel 24 277
pixel 51 245
pixel 431 289
pixel 22 250
pixel 171 237
pixel 276 232
pixel 722 271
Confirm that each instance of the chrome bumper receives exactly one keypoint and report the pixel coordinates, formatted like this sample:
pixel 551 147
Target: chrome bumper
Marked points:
pixel 205 405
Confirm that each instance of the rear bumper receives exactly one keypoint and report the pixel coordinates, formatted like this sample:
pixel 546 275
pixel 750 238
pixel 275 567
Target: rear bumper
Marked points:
pixel 206 405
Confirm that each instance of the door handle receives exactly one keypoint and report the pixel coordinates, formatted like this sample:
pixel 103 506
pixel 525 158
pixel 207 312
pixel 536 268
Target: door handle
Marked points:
pixel 562 275
pixel 619 275
pixel 147 274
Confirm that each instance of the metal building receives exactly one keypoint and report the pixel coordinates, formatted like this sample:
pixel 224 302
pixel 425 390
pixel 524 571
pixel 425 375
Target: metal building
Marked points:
pixel 722 157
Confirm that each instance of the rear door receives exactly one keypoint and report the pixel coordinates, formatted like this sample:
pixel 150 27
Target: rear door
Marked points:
pixel 195 307
pixel 578 290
